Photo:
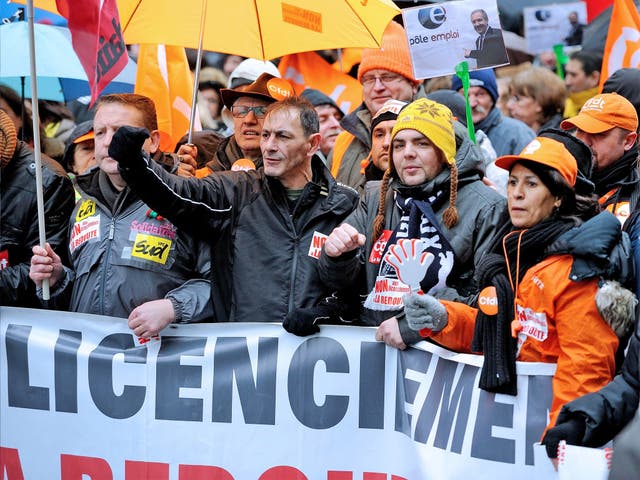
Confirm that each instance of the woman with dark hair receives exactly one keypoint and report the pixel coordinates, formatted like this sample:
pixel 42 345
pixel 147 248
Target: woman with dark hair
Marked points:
pixel 544 297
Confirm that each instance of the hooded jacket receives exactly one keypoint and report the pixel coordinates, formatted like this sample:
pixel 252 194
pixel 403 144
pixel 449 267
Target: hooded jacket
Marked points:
pixel 567 319
pixel 264 250
pixel 129 256
pixel 19 221
pixel 508 135
pixel 481 210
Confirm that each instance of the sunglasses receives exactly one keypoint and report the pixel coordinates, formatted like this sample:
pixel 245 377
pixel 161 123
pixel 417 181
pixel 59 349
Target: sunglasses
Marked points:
pixel 241 111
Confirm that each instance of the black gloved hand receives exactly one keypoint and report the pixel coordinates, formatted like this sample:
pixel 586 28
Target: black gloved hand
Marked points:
pixel 126 144
pixel 572 431
pixel 304 321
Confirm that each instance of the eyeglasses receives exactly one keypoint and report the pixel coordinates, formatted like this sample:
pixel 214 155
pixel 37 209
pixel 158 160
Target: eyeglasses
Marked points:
pixel 519 98
pixel 385 79
pixel 241 111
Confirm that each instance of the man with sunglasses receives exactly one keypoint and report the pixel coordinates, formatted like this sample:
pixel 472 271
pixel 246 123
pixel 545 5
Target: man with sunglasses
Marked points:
pixel 385 74
pixel 248 105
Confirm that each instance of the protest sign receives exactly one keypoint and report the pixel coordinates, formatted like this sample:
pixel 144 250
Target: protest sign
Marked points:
pixel 445 34
pixel 548 25
pixel 251 401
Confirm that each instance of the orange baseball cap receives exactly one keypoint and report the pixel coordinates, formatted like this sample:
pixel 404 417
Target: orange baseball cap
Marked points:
pixel 545 151
pixel 604 112
pixel 87 136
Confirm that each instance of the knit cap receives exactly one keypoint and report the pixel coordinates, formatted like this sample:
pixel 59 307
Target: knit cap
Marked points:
pixel 434 121
pixel 388 111
pixel 318 98
pixel 393 54
pixel 8 139
pixel 479 78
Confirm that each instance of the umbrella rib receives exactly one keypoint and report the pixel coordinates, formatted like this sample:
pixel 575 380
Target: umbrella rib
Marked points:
pixel 365 25
pixel 255 7
pixel 124 28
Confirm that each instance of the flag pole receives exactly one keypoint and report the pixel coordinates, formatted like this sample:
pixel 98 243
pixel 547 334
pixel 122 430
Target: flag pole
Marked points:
pixel 196 75
pixel 36 138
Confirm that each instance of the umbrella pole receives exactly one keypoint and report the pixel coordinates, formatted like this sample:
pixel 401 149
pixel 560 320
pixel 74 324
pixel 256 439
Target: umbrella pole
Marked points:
pixel 36 138
pixel 196 75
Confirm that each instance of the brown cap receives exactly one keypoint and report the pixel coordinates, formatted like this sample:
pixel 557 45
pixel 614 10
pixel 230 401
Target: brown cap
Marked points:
pixel 265 87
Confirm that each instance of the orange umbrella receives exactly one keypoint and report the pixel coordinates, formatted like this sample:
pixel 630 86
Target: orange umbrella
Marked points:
pixel 263 29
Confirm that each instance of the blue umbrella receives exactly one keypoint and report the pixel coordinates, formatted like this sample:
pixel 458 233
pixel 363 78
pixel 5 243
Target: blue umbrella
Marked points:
pixel 60 74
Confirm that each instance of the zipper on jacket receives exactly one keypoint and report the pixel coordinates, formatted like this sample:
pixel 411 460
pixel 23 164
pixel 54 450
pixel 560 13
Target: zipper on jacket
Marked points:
pixel 292 279
pixel 105 263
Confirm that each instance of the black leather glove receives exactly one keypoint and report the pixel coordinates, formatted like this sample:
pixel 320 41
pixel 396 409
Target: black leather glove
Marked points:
pixel 572 431
pixel 126 144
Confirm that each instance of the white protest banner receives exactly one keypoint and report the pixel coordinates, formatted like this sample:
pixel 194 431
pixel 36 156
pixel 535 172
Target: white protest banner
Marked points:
pixel 445 34
pixel 583 462
pixel 548 25
pixel 81 401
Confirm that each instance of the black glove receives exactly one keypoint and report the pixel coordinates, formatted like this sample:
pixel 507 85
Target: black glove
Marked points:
pixel 304 321
pixel 126 144
pixel 572 431
pixel 338 309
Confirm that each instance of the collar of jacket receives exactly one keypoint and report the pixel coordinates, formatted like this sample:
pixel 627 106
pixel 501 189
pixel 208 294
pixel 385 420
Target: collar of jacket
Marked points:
pixel 358 124
pixel 493 118
pixel 322 189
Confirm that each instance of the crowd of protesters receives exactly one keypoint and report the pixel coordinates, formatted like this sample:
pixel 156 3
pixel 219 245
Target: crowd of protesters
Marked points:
pixel 288 209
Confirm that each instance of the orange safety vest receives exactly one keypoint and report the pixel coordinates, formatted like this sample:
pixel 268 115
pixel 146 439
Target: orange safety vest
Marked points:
pixel 339 148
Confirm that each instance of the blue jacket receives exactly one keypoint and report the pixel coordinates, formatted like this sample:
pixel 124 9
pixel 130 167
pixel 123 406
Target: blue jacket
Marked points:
pixel 508 135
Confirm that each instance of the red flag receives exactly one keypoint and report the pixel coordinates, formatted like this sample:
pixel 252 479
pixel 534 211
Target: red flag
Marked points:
pixel 97 40
pixel 623 39
pixel 596 7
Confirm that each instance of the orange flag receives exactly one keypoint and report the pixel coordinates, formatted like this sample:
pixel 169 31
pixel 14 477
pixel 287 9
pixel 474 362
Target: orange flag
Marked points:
pixel 310 70
pixel 164 76
pixel 623 40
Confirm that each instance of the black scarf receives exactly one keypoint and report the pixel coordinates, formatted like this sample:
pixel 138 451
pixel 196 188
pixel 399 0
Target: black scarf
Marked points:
pixel 492 334
pixel 620 173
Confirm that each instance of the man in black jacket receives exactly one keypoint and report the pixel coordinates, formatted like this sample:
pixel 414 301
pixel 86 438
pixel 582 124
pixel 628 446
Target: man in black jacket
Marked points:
pixel 266 226
pixel 490 48
pixel 19 218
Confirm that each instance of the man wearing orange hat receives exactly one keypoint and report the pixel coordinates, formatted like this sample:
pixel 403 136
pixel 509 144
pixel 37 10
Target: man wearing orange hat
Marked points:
pixel 607 123
pixel 385 74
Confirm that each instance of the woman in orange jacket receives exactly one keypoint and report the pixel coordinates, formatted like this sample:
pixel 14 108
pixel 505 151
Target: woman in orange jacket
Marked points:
pixel 544 297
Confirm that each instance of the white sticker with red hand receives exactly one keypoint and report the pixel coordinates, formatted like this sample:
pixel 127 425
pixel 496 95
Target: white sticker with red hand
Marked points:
pixel 410 261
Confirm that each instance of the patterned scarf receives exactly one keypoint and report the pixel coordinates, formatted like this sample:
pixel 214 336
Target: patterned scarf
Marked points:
pixel 418 221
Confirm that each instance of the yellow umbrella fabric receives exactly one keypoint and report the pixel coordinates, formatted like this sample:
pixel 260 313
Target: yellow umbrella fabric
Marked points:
pixel 263 29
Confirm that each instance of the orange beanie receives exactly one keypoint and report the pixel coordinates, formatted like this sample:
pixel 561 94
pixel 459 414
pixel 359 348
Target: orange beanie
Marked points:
pixel 393 54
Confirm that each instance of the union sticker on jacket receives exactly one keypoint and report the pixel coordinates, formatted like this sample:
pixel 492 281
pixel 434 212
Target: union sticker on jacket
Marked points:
pixel 152 248
pixel 84 231
pixel 316 244
pixel 534 325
